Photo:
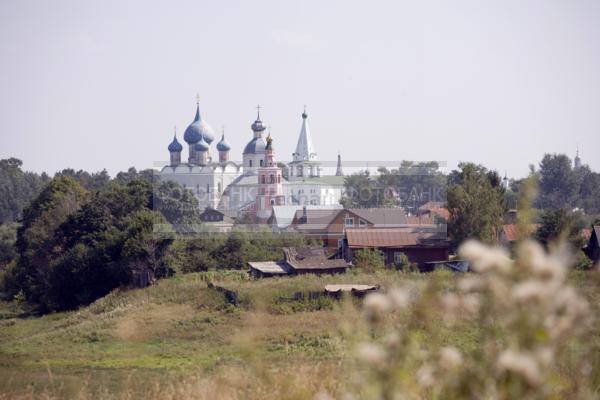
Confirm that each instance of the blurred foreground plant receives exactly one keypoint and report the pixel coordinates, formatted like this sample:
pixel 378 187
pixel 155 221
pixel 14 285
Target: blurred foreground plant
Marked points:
pixel 527 320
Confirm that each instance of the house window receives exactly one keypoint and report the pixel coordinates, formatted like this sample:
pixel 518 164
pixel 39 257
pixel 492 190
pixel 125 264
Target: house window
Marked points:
pixel 250 163
pixel 272 202
pixel 349 222
pixel 271 179
pixel 262 179
pixel 398 257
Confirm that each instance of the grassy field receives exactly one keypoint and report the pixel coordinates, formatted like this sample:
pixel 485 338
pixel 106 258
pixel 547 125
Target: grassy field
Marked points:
pixel 181 338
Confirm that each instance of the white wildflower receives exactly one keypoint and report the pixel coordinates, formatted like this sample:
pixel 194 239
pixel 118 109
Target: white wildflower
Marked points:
pixel 425 376
pixel 471 284
pixel 371 354
pixel 532 290
pixel 377 304
pixel 520 364
pixel 545 356
pixel 450 302
pixel 323 396
pixel 392 340
pixel 471 303
pixel 485 258
pixel 400 298
pixel 450 358
pixel 540 264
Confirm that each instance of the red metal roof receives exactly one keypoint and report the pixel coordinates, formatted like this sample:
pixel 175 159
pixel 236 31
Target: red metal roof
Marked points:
pixel 398 237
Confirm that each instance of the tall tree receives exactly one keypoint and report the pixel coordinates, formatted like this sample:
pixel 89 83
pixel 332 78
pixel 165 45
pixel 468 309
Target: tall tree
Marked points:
pixel 558 183
pixel 475 203
pixel 17 188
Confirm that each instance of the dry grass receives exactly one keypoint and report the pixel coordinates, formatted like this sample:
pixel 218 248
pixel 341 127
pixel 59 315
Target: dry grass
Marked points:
pixel 180 339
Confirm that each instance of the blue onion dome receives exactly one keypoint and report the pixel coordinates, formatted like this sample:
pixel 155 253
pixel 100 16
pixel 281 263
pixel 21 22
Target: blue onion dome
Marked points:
pixel 223 145
pixel 258 125
pixel 201 145
pixel 175 146
pixel 198 129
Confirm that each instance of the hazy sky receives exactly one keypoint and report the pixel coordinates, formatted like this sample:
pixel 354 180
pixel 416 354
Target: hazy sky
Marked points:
pixel 95 84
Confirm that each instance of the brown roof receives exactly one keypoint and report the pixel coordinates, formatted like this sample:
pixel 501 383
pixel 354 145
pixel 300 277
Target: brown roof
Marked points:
pixel 397 237
pixel 381 217
pixel 311 258
pixel 315 219
pixel 511 231
pixel 436 207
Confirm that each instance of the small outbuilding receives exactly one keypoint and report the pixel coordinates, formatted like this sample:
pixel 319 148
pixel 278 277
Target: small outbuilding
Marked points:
pixel 299 260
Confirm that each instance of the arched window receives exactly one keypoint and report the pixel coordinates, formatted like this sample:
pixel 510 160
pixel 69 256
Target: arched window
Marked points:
pixel 262 179
pixel 261 163
pixel 272 178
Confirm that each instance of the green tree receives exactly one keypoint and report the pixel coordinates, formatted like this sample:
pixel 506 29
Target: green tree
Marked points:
pixel 17 188
pixel 36 236
pixel 178 205
pixel 558 184
pixel 475 204
pixel 558 225
pixel 8 238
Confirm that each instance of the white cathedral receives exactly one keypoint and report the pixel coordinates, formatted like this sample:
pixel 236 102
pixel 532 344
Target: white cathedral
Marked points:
pixel 257 184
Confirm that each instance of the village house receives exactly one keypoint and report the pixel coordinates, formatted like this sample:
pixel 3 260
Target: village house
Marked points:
pixel 329 225
pixel 297 261
pixel 215 220
pixel 420 244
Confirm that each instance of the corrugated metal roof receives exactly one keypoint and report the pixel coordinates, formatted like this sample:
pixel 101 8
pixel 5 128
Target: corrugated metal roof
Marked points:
pixel 398 237
pixel 271 267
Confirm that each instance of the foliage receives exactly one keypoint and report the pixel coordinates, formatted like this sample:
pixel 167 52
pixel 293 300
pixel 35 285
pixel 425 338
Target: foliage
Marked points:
pixel 90 181
pixel 369 260
pixel 178 205
pixel 8 238
pixel 412 184
pixel 562 186
pixel 75 246
pixel 233 250
pixel 557 225
pixel 17 188
pixel 475 203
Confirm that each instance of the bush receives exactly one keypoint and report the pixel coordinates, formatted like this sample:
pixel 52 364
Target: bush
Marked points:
pixel 369 260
